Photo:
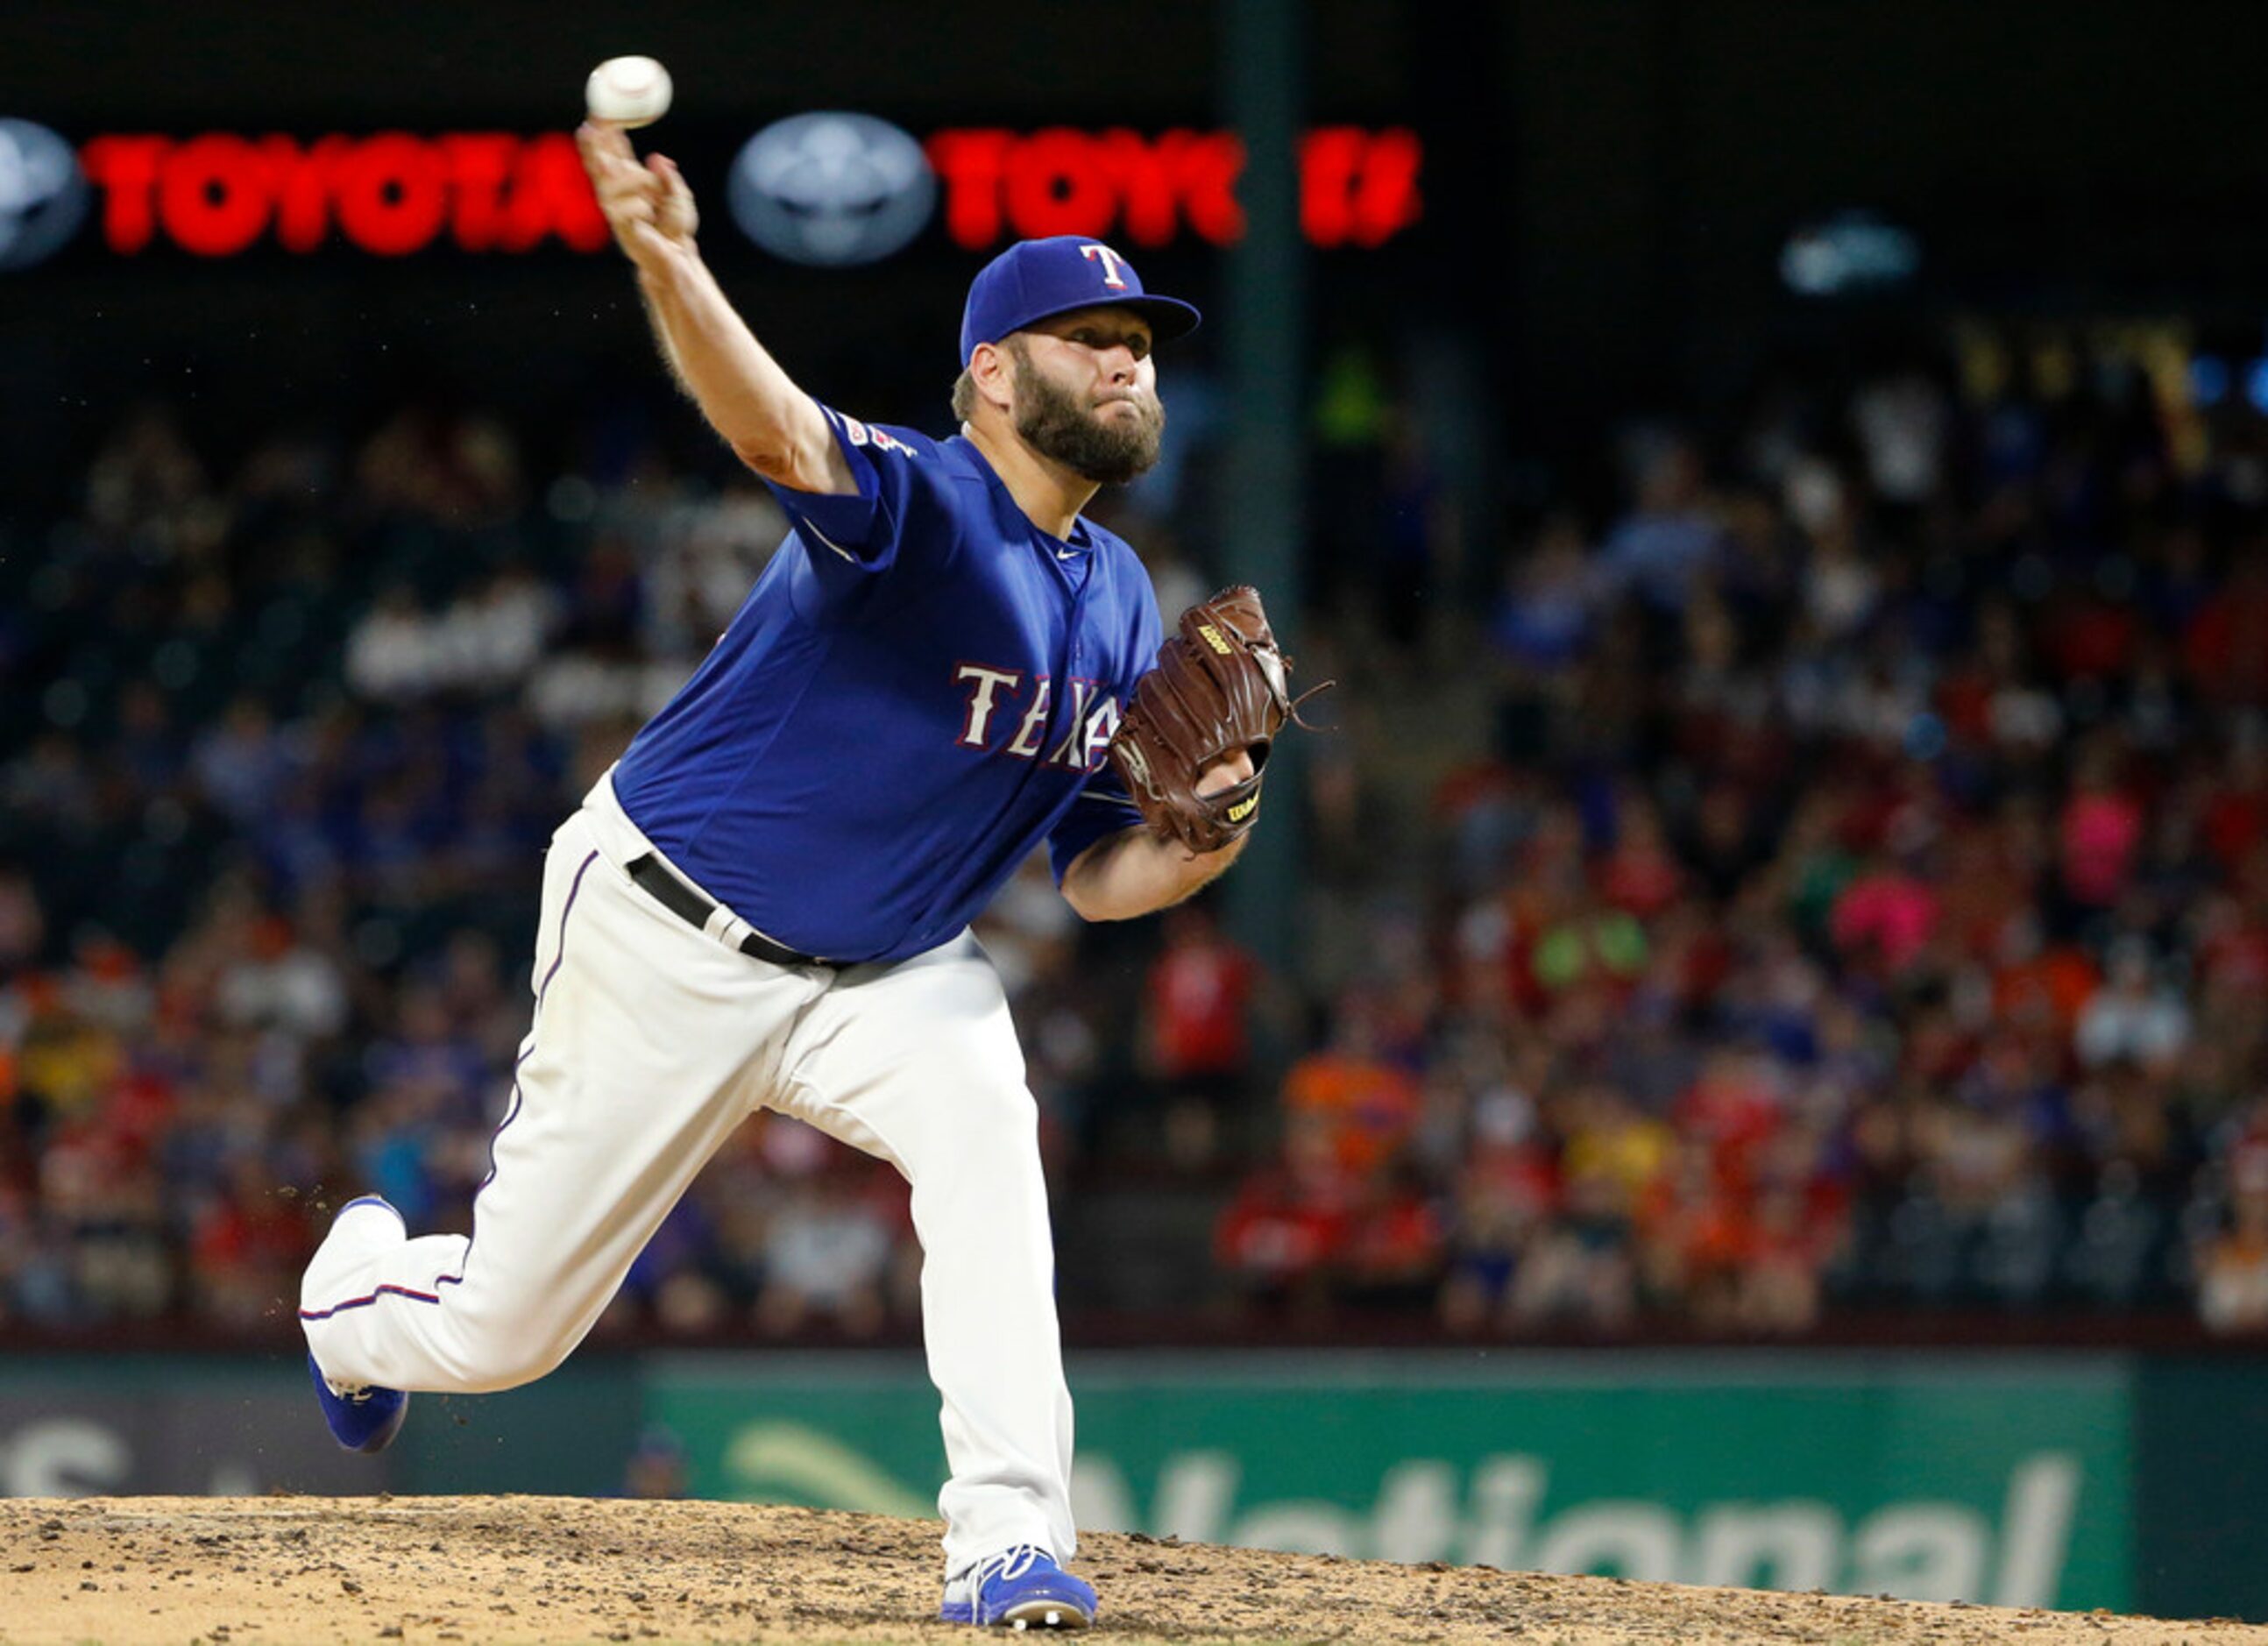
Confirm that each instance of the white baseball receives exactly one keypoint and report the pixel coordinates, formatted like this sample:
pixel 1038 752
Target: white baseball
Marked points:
pixel 628 92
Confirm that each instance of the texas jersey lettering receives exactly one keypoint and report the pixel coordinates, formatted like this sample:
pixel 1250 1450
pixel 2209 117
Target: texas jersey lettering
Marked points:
pixel 1093 722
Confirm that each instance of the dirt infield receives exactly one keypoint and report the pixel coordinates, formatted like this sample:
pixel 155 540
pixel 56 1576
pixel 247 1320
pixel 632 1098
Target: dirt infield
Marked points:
pixel 120 1571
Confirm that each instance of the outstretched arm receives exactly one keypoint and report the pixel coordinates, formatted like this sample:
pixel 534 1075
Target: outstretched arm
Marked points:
pixel 772 425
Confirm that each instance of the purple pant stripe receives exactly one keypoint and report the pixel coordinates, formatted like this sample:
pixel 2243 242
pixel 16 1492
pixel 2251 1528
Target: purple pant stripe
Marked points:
pixel 365 1303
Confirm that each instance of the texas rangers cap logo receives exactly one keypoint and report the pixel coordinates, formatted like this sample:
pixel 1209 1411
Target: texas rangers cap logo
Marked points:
pixel 1035 280
pixel 1109 260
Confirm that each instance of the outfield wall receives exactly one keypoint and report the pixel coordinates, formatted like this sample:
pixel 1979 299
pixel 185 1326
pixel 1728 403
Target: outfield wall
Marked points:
pixel 2069 1480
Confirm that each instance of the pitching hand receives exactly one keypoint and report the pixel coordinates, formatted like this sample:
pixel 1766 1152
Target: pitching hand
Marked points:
pixel 648 206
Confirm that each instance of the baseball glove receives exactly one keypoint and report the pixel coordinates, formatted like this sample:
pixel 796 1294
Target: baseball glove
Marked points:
pixel 1221 684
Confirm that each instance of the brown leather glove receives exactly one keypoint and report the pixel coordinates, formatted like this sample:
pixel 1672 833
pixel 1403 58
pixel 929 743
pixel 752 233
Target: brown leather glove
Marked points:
pixel 1221 684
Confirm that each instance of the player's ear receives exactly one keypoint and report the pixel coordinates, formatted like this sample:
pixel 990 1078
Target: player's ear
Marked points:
pixel 992 373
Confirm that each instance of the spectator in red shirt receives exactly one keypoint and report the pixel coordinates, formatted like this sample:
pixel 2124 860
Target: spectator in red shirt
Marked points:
pixel 1290 1224
pixel 2101 834
pixel 1197 1010
pixel 1887 916
pixel 1198 990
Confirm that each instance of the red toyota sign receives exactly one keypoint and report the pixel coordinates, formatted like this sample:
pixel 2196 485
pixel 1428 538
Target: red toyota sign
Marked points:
pixel 1357 187
pixel 389 195
pixel 393 194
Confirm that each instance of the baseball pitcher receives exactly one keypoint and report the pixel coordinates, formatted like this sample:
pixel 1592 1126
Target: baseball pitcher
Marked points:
pixel 766 902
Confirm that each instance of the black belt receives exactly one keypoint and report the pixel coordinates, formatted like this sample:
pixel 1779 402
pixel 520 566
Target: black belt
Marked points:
pixel 691 907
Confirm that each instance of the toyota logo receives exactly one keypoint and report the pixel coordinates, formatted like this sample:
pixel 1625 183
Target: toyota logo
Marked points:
pixel 831 188
pixel 43 195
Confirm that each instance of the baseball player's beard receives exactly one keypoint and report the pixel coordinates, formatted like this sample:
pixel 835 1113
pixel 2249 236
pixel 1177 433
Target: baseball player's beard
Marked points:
pixel 1110 451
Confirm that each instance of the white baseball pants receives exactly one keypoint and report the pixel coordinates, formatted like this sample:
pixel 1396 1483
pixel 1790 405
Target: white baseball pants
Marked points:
pixel 651 1043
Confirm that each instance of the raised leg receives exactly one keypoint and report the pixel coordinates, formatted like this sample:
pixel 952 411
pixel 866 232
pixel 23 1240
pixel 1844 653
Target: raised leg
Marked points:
pixel 638 1067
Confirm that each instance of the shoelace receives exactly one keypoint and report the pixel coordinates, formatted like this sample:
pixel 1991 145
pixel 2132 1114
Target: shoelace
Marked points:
pixel 1009 1563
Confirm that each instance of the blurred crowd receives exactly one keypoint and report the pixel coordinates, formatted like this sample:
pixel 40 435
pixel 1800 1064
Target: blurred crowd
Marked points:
pixel 1821 867
pixel 1863 899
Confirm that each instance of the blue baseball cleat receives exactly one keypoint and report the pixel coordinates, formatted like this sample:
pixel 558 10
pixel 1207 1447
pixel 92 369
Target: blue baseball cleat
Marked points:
pixel 1019 1587
pixel 361 1420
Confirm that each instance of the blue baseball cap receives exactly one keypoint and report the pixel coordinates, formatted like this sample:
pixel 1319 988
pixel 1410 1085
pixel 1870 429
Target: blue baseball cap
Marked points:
pixel 1034 280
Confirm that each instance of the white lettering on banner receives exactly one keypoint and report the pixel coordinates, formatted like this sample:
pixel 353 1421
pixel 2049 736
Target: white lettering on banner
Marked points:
pixel 1197 1490
pixel 1507 1492
pixel 766 1457
pixel 2042 1495
pixel 1912 1549
pixel 1416 1518
pixel 64 1457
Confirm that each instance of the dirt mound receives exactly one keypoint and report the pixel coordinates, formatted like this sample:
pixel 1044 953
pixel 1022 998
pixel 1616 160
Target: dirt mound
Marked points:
pixel 122 1571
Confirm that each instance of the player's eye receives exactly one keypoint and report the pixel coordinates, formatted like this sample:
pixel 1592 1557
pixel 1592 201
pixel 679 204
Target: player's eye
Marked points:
pixel 1136 343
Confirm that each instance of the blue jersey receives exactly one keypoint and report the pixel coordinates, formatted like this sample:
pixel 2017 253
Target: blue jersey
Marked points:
pixel 919 690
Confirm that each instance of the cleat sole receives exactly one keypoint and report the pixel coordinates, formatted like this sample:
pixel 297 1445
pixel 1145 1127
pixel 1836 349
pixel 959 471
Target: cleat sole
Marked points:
pixel 1046 1614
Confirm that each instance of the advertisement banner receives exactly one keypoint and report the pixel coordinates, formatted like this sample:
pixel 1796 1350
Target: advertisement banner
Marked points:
pixel 75 1426
pixel 2010 1481
pixel 2004 1481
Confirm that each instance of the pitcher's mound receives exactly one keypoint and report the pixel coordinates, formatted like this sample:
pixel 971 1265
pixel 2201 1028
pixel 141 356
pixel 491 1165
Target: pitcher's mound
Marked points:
pixel 280 1571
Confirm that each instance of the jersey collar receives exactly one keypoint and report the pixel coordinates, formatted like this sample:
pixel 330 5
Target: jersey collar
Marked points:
pixel 1012 518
